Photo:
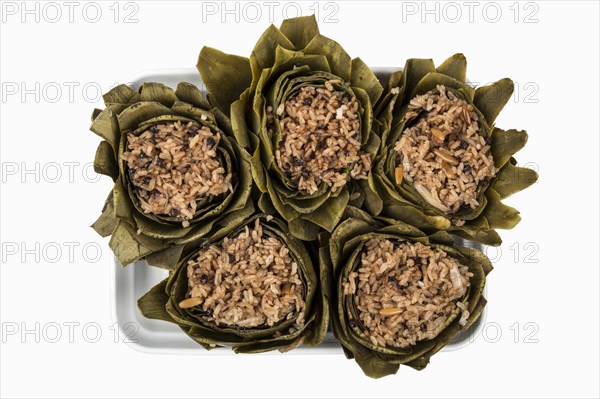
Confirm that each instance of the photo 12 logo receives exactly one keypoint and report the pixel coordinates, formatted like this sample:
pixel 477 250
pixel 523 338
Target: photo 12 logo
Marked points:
pixel 268 11
pixel 470 11
pixel 53 12
pixel 68 332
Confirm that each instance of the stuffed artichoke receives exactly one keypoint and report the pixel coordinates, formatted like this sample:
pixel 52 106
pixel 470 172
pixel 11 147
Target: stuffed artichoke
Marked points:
pixel 443 164
pixel 398 296
pixel 178 172
pixel 254 290
pixel 305 114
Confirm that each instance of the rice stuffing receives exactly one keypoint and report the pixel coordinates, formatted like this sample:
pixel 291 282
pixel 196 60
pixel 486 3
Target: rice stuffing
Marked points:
pixel 444 154
pixel 320 138
pixel 404 292
pixel 247 281
pixel 174 165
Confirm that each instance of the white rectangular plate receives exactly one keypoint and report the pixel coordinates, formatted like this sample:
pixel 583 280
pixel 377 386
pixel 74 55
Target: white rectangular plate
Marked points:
pixel 133 281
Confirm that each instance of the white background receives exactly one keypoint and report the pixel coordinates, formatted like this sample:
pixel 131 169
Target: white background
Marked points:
pixel 546 274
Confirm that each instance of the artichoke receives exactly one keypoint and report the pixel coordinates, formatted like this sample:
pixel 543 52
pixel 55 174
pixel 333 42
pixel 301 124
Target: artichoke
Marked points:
pixel 398 296
pixel 305 115
pixel 443 165
pixel 254 290
pixel 178 173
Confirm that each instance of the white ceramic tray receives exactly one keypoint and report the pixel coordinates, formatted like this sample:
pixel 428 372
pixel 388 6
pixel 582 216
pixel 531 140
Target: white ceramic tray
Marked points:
pixel 133 281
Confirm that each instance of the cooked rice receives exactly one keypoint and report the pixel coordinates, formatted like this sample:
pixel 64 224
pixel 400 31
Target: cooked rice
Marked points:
pixel 247 281
pixel 404 293
pixel 444 154
pixel 320 138
pixel 173 166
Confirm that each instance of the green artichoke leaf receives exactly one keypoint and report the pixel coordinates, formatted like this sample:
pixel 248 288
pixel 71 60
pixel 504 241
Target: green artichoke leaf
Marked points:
pixel 363 77
pixel 303 229
pixel 263 54
pixel 132 116
pixel 225 76
pixel 373 202
pixel 121 94
pixel 415 70
pixel 512 179
pixel 105 125
pixel 189 93
pixel 433 79
pixel 152 303
pixel 300 31
pixel 128 246
pixel 339 60
pixel 455 67
pixel 374 367
pixel 107 221
pixel 166 259
pixel 497 214
pixel 158 92
pixel 490 99
pixel 505 143
pixel 329 214
pixel 238 121
pixel 122 202
pixel 104 161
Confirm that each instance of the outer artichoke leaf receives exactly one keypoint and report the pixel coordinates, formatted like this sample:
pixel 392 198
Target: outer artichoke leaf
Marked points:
pixel 199 115
pixel 484 236
pixel 374 367
pixel 366 120
pixel 319 330
pixel 122 202
pixel 499 215
pixel 104 161
pixel 152 304
pixel 433 79
pixel 259 174
pixel 238 121
pixel 303 229
pixel 122 94
pixel 441 237
pixel 475 313
pixel 512 179
pixel 128 246
pixel 347 230
pixel 190 94
pixel 198 231
pixel 339 60
pixel 166 259
pixel 155 229
pixel 329 214
pixel 492 98
pixel 363 77
pixel 107 221
pixel 265 204
pixel 140 112
pixel 300 31
pixel 287 61
pixel 415 69
pixel 505 143
pixel 373 201
pixel 455 67
pixel 402 229
pixel 157 92
pixel 225 76
pixel 263 54
pixel 105 125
